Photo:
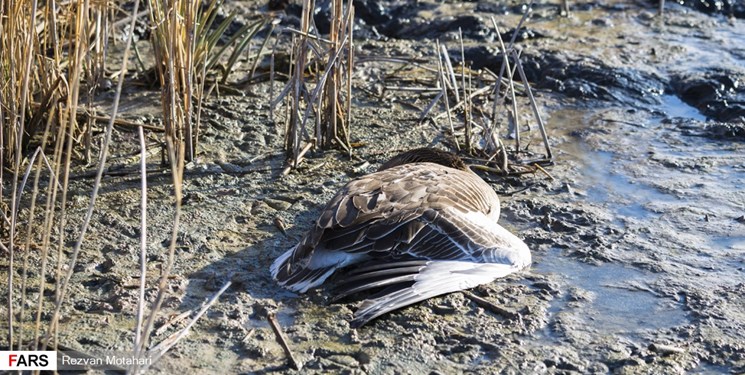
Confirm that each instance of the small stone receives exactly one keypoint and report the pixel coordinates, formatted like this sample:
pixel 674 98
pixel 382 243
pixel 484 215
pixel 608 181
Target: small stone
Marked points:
pixel 444 309
pixel 344 361
pixel 230 167
pixel 277 204
pixel 665 350
pixel 362 358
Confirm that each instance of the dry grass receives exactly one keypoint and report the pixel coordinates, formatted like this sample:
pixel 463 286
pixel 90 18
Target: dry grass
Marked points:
pixel 185 39
pixel 53 57
pixel 328 104
pixel 43 57
pixel 479 111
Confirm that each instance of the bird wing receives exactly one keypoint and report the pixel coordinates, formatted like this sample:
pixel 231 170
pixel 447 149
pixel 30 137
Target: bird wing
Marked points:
pixel 453 251
pixel 433 278
pixel 398 213
pixel 446 235
pixel 381 210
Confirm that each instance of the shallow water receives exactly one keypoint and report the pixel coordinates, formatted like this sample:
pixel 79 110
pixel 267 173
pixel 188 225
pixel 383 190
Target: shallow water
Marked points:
pixel 655 184
pixel 619 305
pixel 672 106
pixel 606 185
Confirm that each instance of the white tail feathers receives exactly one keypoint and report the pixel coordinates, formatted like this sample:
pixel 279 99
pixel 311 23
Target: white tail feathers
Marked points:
pixel 437 278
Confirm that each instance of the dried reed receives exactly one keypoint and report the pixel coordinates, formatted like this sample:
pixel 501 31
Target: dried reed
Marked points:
pixel 490 127
pixel 52 63
pixel 328 104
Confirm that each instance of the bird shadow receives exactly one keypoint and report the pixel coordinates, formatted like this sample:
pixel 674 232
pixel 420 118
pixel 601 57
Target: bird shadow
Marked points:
pixel 252 296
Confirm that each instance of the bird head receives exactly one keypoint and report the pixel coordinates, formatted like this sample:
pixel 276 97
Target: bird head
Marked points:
pixel 422 155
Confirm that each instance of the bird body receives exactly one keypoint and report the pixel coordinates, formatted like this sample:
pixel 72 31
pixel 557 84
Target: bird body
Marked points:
pixel 417 229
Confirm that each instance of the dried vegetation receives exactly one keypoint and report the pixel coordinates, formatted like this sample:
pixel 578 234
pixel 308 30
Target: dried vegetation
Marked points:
pixel 54 58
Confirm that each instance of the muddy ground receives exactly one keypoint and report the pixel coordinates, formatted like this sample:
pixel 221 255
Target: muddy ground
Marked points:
pixel 638 237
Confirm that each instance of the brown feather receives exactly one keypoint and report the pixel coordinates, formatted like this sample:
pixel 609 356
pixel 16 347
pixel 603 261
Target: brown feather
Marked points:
pixel 422 206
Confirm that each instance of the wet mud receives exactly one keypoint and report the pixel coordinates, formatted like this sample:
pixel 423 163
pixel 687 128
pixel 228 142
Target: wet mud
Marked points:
pixel 638 234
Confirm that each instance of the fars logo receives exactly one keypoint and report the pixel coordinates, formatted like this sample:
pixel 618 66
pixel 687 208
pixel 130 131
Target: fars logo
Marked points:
pixel 28 360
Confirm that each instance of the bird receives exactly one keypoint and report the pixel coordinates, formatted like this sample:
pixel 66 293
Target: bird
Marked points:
pixel 423 225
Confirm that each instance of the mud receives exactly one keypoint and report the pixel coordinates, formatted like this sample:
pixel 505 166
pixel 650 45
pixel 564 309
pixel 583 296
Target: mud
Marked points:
pixel 717 93
pixel 728 8
pixel 638 235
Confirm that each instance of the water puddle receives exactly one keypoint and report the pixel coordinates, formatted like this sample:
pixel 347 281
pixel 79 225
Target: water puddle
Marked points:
pixel 708 368
pixel 732 250
pixel 621 298
pixel 619 303
pixel 698 46
pixel 617 191
pixel 672 106
pixel 607 187
pixel 735 243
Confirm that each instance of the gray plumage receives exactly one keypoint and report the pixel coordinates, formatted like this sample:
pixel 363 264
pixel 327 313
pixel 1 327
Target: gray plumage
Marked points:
pixel 418 229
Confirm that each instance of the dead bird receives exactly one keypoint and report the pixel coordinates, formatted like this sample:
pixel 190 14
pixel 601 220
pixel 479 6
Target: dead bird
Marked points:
pixel 423 225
